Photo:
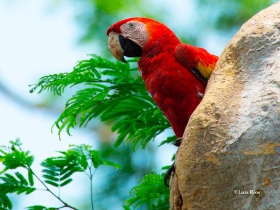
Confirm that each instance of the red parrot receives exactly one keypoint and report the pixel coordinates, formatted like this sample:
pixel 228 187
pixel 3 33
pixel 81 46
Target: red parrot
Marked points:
pixel 175 74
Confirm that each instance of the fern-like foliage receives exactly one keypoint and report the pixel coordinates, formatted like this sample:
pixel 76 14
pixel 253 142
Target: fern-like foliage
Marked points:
pixel 112 92
pixel 5 203
pixel 79 158
pixel 57 171
pixel 15 184
pixel 151 192
pixel 13 157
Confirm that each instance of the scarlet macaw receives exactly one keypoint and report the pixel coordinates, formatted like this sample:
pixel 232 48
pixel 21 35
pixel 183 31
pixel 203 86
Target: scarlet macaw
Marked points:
pixel 175 74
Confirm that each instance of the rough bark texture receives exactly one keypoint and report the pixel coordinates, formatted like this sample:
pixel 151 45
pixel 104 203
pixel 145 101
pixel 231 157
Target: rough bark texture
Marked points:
pixel 230 155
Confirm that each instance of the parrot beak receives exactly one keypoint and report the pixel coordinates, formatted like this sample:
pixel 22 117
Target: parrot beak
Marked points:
pixel 120 47
pixel 115 46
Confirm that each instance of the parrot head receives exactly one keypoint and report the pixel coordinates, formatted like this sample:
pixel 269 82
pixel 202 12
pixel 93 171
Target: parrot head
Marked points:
pixel 134 37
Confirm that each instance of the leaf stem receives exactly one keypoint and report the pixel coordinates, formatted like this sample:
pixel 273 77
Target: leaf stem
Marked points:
pixel 48 189
pixel 91 187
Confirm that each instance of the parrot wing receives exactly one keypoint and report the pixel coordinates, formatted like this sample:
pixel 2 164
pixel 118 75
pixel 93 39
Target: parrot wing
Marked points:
pixel 197 60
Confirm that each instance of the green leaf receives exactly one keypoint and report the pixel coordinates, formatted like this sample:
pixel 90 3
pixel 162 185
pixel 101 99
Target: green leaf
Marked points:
pixel 110 163
pixel 29 191
pixel 51 178
pixel 5 202
pixel 96 158
pixel 36 207
pixel 169 140
pixel 40 207
pixel 9 179
pixel 21 178
pixel 14 157
pixel 22 189
pixel 70 169
pixel 66 182
pixel 50 172
pixel 30 178
pixel 8 188
pixel 66 175
pixel 150 190
pixel 52 183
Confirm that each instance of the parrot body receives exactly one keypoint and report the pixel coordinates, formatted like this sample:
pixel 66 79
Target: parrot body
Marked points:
pixel 175 74
pixel 174 91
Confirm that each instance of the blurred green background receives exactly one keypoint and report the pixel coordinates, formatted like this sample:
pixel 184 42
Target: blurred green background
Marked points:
pixel 38 38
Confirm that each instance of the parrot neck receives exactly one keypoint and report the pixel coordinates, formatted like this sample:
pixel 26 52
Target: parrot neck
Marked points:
pixel 159 47
pixel 160 44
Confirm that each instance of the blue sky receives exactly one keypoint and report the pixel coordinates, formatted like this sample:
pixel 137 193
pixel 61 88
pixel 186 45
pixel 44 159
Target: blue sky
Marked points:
pixel 33 43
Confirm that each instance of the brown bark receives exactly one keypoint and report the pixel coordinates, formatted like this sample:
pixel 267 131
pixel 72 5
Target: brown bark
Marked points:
pixel 229 157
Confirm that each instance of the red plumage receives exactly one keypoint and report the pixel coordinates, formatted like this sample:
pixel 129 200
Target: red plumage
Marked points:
pixel 175 74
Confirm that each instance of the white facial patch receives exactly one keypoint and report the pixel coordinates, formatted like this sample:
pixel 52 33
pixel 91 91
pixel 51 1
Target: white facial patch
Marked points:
pixel 136 32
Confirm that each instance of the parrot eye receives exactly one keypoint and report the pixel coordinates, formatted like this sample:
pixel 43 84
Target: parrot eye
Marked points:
pixel 131 25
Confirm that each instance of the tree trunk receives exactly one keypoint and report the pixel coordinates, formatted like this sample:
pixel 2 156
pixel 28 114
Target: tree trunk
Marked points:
pixel 229 157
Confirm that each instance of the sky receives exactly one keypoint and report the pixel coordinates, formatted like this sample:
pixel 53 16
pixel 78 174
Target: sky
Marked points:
pixel 34 43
